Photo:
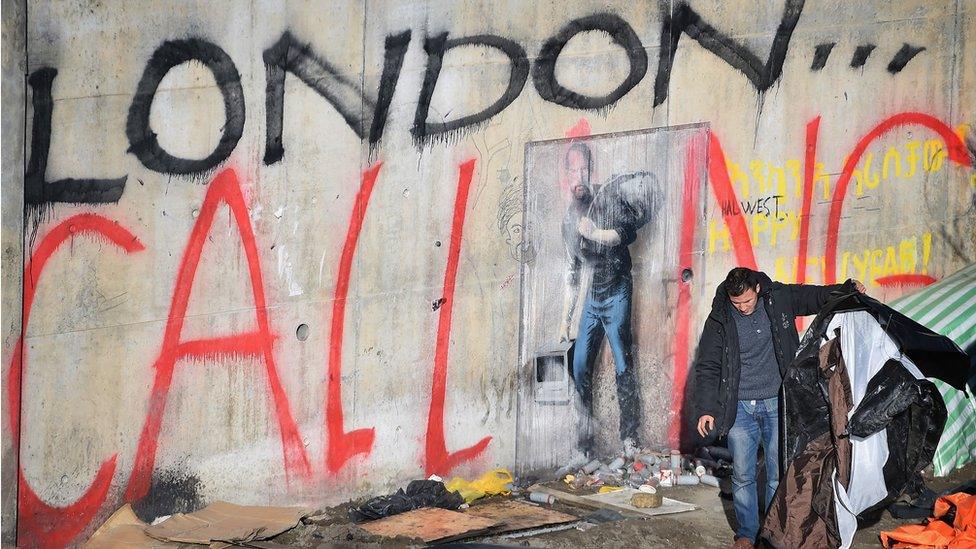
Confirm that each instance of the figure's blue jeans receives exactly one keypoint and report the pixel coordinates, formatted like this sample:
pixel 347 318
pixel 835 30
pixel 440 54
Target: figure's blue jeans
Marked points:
pixel 755 421
pixel 610 317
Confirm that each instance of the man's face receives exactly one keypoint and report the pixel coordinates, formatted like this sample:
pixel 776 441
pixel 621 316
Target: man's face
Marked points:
pixel 579 174
pixel 746 303
pixel 521 249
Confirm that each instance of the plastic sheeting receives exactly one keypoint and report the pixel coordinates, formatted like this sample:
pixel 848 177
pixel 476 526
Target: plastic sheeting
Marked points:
pixel 899 413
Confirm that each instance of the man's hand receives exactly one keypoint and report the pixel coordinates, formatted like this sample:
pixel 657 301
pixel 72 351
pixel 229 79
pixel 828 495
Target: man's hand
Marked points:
pixel 564 331
pixel 705 424
pixel 859 287
pixel 586 227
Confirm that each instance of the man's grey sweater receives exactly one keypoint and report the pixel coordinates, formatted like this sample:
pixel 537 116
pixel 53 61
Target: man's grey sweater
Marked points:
pixel 759 377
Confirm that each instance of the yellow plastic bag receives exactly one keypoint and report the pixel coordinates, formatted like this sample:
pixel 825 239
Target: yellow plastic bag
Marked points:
pixel 491 483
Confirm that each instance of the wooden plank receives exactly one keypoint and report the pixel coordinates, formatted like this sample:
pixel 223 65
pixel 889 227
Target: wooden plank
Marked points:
pixel 621 500
pixel 579 501
pixel 600 503
pixel 518 515
pixel 430 524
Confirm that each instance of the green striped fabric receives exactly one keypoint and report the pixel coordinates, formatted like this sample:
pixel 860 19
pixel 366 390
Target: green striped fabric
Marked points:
pixel 948 307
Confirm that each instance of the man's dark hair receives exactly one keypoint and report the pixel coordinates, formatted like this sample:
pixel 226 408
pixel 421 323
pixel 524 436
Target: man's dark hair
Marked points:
pixel 585 152
pixel 739 280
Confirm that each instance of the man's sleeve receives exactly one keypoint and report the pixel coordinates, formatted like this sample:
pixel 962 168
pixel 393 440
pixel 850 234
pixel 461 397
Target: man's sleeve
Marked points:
pixel 626 225
pixel 708 369
pixel 808 299
pixel 570 237
pixel 627 232
pixel 573 271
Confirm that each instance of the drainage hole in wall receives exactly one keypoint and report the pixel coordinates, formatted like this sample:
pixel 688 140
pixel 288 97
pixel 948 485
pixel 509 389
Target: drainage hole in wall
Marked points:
pixel 687 275
pixel 302 332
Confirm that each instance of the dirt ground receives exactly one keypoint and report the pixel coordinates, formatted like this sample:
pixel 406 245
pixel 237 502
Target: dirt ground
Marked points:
pixel 709 526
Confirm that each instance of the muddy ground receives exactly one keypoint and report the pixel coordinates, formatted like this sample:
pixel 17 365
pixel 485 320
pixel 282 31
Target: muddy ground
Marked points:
pixel 712 525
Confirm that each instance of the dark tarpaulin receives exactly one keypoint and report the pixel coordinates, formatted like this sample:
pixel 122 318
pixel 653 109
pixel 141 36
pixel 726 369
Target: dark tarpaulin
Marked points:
pixel 934 354
pixel 910 410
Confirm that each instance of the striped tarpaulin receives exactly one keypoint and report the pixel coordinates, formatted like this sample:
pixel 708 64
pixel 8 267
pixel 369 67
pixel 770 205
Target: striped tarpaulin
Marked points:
pixel 948 307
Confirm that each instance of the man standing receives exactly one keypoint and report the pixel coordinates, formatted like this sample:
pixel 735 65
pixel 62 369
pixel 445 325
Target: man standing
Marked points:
pixel 748 341
pixel 600 224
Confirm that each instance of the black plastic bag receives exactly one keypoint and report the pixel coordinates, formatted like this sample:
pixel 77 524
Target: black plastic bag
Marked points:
pixel 419 493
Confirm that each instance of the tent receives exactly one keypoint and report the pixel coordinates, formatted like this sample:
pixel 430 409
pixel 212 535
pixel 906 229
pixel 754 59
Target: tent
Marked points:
pixel 861 419
pixel 948 307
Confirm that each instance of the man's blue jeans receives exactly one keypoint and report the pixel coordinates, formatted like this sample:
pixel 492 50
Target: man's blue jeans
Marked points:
pixel 755 421
pixel 610 316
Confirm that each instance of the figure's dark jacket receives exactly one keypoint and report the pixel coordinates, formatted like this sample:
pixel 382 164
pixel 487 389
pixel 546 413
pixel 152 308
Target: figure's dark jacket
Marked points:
pixel 717 364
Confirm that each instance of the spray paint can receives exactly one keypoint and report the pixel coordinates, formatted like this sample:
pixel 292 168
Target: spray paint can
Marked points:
pixel 686 480
pixel 540 497
pixel 592 466
pixel 564 470
pixel 608 477
pixel 700 470
pixel 648 459
pixel 675 460
pixel 617 463
pixel 709 480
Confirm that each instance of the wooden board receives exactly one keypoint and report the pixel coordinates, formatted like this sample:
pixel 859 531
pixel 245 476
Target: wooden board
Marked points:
pixel 618 501
pixel 430 524
pixel 621 500
pixel 517 515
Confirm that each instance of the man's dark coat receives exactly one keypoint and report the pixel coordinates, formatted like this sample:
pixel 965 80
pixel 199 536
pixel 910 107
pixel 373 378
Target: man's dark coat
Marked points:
pixel 717 364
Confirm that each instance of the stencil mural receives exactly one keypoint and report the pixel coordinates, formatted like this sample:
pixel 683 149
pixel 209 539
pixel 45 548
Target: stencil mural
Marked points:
pixel 609 213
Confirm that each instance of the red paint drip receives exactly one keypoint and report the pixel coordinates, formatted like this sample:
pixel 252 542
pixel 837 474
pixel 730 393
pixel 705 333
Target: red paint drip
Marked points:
pixel 809 166
pixel 225 188
pixel 343 445
pixel 685 260
pixel 718 172
pixel 905 280
pixel 437 459
pixel 956 150
pixel 580 129
pixel 38 523
pixel 803 244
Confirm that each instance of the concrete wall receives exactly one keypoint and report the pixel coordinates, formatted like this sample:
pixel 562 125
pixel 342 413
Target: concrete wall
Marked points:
pixel 14 66
pixel 185 220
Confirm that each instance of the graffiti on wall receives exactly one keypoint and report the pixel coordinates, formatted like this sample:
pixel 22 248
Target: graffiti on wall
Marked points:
pixel 48 525
pixel 755 200
pixel 366 112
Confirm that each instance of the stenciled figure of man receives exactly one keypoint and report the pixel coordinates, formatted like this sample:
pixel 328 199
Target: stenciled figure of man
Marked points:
pixel 600 223
pixel 749 340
